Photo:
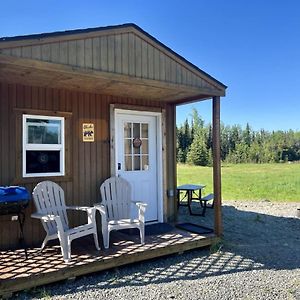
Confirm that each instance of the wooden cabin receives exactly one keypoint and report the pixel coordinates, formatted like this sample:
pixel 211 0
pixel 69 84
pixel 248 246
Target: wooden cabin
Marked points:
pixel 100 90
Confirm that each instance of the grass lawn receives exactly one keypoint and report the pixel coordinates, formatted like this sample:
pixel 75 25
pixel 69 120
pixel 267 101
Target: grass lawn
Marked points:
pixel 275 182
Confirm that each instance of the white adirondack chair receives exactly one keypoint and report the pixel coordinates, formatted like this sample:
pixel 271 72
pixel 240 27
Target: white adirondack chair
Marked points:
pixel 51 208
pixel 115 209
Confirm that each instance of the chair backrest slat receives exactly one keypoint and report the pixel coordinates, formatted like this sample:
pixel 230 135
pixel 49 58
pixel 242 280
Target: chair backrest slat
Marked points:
pixel 49 200
pixel 116 196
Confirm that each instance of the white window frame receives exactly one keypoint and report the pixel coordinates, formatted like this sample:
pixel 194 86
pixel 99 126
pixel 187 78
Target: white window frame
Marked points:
pixel 41 147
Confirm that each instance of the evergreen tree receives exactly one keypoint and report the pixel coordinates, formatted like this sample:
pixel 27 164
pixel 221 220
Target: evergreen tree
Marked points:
pixel 198 154
pixel 238 145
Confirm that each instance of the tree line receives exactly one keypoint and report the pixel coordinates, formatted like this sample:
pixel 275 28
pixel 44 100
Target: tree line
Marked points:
pixel 238 144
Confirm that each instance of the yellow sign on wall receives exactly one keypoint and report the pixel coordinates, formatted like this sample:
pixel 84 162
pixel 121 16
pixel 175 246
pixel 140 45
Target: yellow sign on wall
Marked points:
pixel 88 132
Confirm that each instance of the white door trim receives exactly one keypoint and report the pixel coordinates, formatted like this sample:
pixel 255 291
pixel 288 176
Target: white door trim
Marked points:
pixel 159 153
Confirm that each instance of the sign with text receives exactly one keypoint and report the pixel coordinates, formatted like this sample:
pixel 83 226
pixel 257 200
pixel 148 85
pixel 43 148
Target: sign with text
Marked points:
pixel 88 132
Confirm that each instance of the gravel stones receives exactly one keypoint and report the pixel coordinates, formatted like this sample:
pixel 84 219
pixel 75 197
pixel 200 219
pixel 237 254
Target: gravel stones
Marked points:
pixel 260 259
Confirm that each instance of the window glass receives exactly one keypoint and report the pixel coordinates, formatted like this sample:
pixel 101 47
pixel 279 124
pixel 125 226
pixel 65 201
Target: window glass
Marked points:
pixel 136 146
pixel 42 161
pixel 43 146
pixel 43 131
pixel 127 146
pixel 127 130
pixel 137 163
pixel 145 147
pixel 144 130
pixel 136 130
pixel 145 162
pixel 128 163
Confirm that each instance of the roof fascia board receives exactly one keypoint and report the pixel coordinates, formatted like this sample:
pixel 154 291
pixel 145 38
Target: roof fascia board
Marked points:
pixel 40 39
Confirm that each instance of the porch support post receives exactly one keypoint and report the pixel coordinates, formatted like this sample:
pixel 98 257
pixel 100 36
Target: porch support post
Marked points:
pixel 217 166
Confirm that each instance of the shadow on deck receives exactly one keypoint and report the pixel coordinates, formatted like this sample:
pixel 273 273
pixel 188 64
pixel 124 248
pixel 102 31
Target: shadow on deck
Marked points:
pixel 18 273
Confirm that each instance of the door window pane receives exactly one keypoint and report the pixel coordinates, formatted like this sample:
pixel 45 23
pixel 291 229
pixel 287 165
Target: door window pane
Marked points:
pixel 137 163
pixel 128 163
pixel 136 146
pixel 145 162
pixel 137 150
pixel 145 147
pixel 136 130
pixel 127 130
pixel 127 146
pixel 144 130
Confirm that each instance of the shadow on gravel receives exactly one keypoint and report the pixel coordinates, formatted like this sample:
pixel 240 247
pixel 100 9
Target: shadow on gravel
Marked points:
pixel 252 242
pixel 272 241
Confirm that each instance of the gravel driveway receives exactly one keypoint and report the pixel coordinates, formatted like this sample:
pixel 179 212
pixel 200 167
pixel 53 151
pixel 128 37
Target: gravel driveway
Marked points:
pixel 259 259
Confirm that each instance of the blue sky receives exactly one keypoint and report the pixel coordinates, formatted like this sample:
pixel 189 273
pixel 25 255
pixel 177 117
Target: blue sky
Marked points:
pixel 251 46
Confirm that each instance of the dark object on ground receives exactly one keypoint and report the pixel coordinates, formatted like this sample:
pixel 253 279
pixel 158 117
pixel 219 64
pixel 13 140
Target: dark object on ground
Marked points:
pixel 152 229
pixel 194 228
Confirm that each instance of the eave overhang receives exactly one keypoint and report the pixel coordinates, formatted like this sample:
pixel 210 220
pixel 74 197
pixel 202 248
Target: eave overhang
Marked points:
pixel 46 60
pixel 44 74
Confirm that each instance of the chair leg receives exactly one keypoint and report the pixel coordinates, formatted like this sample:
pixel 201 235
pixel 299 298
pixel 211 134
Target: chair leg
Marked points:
pixel 142 235
pixel 67 250
pixel 44 243
pixel 65 246
pixel 96 241
pixel 105 235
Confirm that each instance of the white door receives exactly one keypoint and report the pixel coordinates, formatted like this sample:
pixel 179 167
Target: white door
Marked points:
pixel 136 158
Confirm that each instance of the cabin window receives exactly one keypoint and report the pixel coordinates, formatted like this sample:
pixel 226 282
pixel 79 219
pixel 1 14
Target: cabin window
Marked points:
pixel 43 146
pixel 136 148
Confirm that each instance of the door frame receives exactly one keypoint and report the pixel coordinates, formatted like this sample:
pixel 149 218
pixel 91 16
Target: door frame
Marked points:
pixel 159 148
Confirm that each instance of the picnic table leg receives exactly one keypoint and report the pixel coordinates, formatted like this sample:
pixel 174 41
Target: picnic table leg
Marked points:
pixel 204 208
pixel 202 214
pixel 190 196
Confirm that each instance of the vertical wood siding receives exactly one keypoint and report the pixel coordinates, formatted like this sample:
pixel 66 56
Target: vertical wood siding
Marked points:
pixel 89 163
pixel 125 53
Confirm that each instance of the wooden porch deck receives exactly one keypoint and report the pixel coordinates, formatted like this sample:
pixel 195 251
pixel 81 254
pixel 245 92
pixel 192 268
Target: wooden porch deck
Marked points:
pixel 18 273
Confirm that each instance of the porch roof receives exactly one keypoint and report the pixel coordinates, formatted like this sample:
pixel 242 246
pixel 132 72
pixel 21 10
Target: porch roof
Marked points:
pixel 118 60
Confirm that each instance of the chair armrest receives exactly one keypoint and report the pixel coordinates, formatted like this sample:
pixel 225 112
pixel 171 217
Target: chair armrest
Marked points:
pixel 101 208
pixel 48 218
pixel 43 217
pixel 104 217
pixel 139 204
pixel 142 208
pixel 84 208
pixel 90 210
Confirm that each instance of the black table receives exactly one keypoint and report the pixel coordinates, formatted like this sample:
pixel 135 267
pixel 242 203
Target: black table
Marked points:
pixel 191 192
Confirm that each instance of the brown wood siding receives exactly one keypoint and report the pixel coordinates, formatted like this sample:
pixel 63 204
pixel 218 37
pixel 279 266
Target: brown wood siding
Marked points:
pixel 123 53
pixel 89 163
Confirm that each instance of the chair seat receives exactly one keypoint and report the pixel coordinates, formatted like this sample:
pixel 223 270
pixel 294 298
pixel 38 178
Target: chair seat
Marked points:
pixel 125 222
pixel 80 229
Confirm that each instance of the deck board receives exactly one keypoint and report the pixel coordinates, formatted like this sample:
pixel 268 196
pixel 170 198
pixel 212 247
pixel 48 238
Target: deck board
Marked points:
pixel 17 273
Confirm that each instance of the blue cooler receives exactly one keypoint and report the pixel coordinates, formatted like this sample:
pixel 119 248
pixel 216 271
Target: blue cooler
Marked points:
pixel 13 199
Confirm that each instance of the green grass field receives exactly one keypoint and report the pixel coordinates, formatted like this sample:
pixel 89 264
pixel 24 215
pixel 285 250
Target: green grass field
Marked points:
pixel 275 182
